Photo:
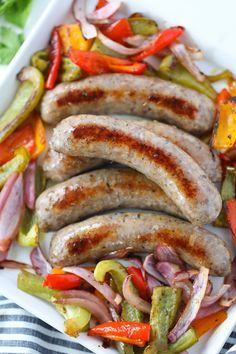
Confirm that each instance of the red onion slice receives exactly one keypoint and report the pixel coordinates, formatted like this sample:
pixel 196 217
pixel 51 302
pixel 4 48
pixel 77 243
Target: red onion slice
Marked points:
pixel 136 41
pixel 106 11
pixel 39 262
pixel 207 311
pixel 168 254
pixel 181 53
pixel 11 213
pixel 29 185
pixel 185 275
pixel 114 298
pixel 149 265
pixel 168 271
pixel 187 289
pixel 152 283
pixel 9 264
pixel 118 254
pixel 209 300
pixel 229 297
pixel 209 288
pixel 89 31
pixel 96 309
pixel 117 47
pixel 195 53
pixel 114 314
pixel 3 256
pixel 132 298
pixel 7 189
pixel 192 307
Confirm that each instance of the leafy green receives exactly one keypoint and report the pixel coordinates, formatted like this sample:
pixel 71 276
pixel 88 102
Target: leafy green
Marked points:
pixel 10 42
pixel 18 12
pixel 5 5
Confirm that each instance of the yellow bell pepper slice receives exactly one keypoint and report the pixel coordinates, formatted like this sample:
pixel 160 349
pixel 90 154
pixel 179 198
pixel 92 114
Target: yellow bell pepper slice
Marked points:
pixel 72 38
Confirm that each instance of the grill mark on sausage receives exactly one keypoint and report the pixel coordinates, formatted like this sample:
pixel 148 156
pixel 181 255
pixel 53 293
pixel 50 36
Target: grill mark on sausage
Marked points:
pixel 80 96
pixel 90 239
pixel 94 133
pixel 176 105
pixel 175 240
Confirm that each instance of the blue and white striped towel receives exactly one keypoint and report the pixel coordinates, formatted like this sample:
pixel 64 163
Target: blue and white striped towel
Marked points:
pixel 21 332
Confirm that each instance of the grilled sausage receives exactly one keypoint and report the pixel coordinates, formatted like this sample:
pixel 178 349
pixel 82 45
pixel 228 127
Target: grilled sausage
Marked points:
pixel 96 191
pixel 59 167
pixel 125 94
pixel 97 236
pixel 161 161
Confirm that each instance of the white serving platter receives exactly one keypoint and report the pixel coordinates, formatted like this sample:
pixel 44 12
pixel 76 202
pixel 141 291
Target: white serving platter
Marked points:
pixel 202 21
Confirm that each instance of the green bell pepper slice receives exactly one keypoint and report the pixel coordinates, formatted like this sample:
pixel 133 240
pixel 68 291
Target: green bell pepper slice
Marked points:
pixel 177 73
pixel 224 75
pixel 99 47
pixel 165 304
pixel 17 164
pixel 29 231
pixel 26 99
pixel 143 26
pixel 69 71
pixel 40 60
pixel 228 189
pixel 187 340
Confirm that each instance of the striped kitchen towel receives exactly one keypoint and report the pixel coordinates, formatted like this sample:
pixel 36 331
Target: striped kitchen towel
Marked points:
pixel 21 332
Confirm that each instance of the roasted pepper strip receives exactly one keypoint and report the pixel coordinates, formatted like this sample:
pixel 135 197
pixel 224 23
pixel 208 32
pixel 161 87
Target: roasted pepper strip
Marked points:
pixel 40 60
pixel 230 215
pixel 163 39
pixel 208 323
pixel 187 340
pixel 228 189
pixel 23 136
pixel 17 164
pixel 223 97
pixel 135 333
pixel 39 136
pixel 69 71
pixel 26 99
pixel 165 304
pixel 119 30
pixel 99 47
pixel 175 72
pixel 224 136
pixel 72 38
pixel 224 75
pixel 62 281
pixel 55 53
pixel 143 26
pixel 139 282
pixel 76 319
pixel 29 231
pixel 40 182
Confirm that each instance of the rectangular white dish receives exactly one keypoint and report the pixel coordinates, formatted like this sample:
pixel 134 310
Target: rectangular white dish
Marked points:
pixel 207 34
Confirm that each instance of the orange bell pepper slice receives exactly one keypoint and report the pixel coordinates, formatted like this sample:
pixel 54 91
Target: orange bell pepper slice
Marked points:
pixel 135 333
pixel 224 137
pixel 119 30
pixel 62 281
pixel 208 323
pixel 231 216
pixel 72 38
pixel 100 4
pixel 223 97
pixel 163 39
pixel 39 137
pixel 23 136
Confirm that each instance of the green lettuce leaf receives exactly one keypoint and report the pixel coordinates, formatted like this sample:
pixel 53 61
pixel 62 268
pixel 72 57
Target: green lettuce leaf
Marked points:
pixel 10 42
pixel 18 12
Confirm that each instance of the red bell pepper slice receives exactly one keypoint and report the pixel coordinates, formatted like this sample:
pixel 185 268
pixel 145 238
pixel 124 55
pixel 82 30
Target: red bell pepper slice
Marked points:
pixel 222 97
pixel 231 216
pixel 96 63
pixel 119 30
pixel 24 136
pixel 135 333
pixel 163 39
pixel 62 281
pixel 100 4
pixel 139 282
pixel 55 54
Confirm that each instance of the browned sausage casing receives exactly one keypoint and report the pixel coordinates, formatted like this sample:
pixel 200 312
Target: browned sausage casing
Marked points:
pixel 97 236
pixel 59 167
pixel 96 191
pixel 127 94
pixel 161 161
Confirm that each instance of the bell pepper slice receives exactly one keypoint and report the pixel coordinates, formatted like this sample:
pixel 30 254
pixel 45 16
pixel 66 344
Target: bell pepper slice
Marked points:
pixel 72 38
pixel 40 183
pixel 186 341
pixel 143 26
pixel 55 54
pixel 25 101
pixel 62 281
pixel 40 60
pixel 69 71
pixel 134 333
pixel 224 136
pixel 208 323
pixel 119 30
pixel 17 164
pixel 163 39
pixel 139 282
pixel 99 47
pixel 100 4
pixel 224 75
pixel 95 63
pixel 165 304
pixel 228 189
pixel 23 136
pixel 175 72
pixel 230 215
pixel 39 136
pixel 222 97
pixel 29 231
